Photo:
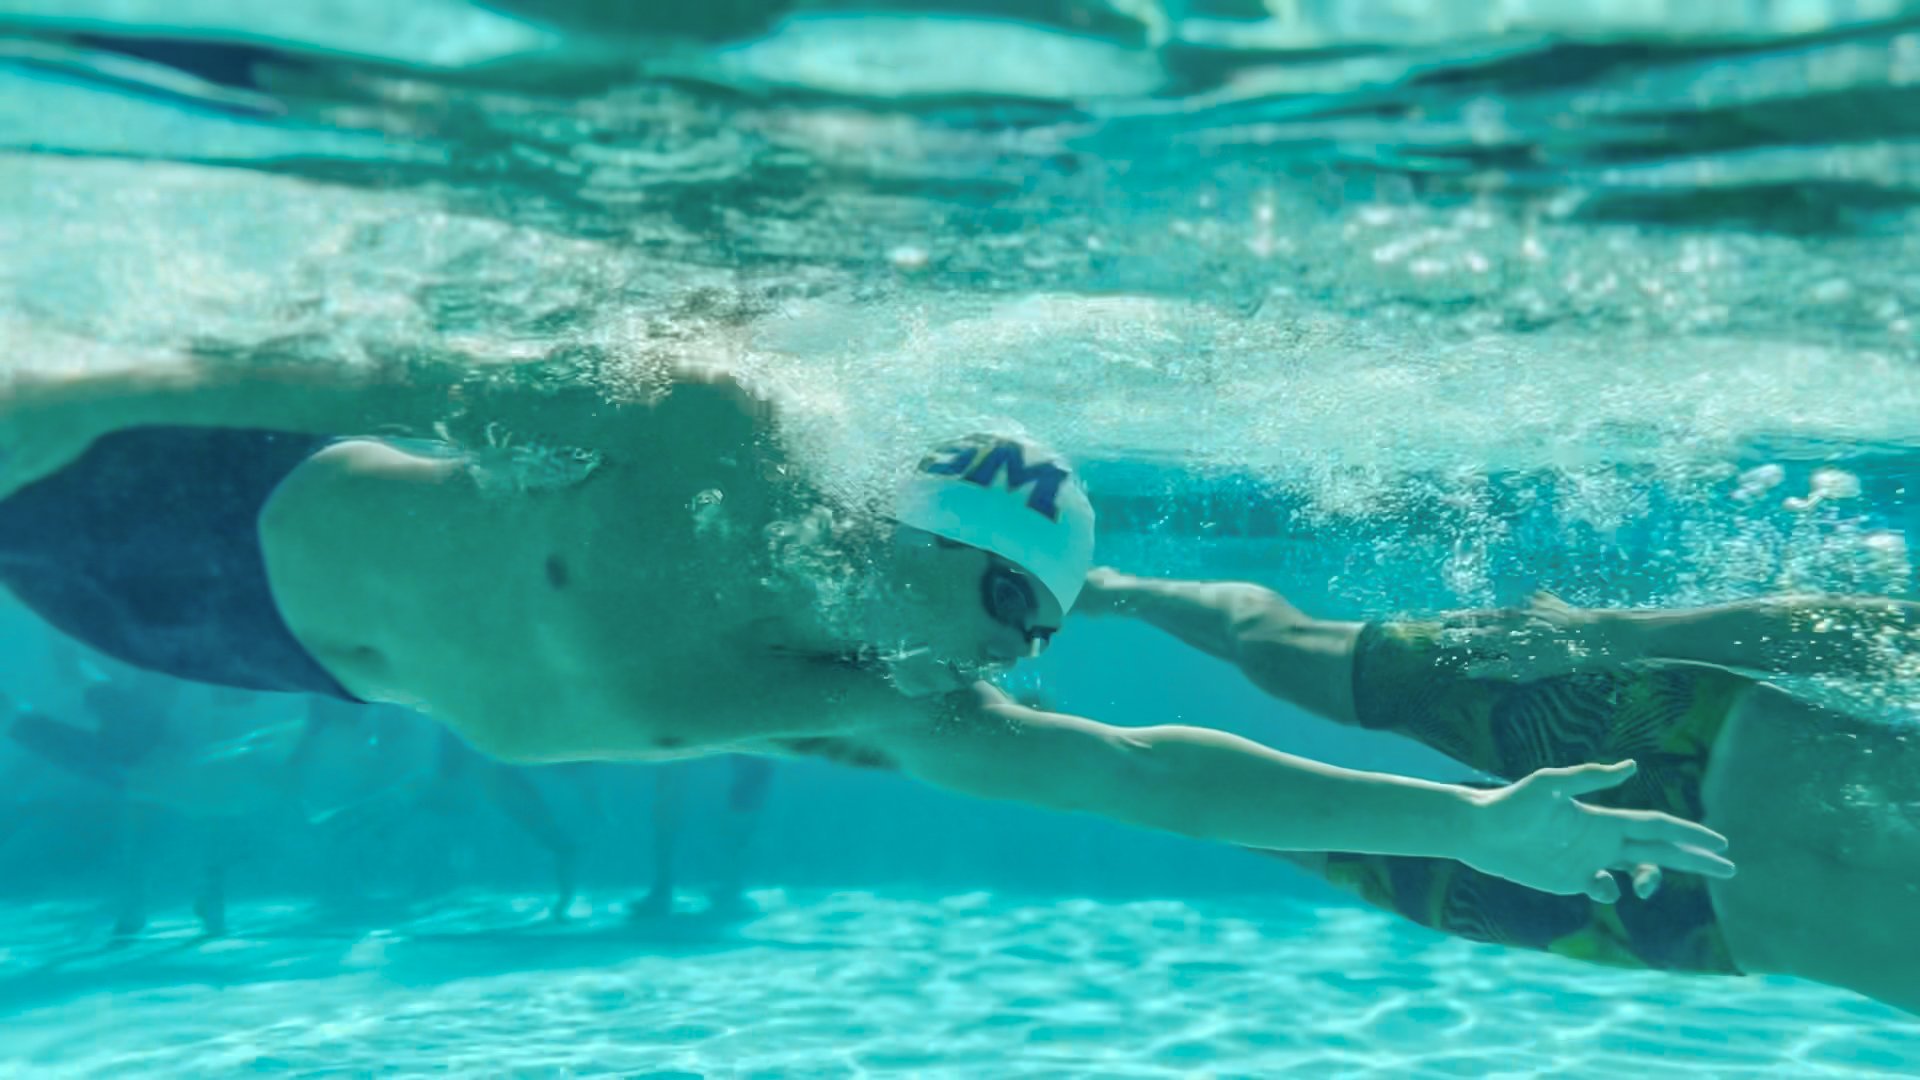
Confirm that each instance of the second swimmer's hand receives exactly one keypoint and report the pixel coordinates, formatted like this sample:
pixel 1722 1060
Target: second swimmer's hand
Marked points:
pixel 1103 592
pixel 1548 637
pixel 1534 832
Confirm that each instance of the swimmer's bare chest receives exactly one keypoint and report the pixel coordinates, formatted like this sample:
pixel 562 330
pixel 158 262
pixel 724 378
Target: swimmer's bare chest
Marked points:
pixel 616 619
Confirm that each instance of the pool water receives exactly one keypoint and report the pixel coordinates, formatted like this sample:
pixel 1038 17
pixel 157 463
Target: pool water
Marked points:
pixel 1393 306
pixel 858 983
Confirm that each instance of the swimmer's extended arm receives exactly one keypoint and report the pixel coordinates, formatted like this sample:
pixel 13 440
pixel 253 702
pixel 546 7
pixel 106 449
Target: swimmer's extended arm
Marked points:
pixel 1309 661
pixel 330 398
pixel 47 420
pixel 1214 786
pixel 1282 650
pixel 1793 635
pixel 1796 635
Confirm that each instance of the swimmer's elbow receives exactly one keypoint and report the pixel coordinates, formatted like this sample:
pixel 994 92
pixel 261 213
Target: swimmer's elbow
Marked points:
pixel 1147 777
pixel 1096 769
pixel 1160 778
pixel 1257 614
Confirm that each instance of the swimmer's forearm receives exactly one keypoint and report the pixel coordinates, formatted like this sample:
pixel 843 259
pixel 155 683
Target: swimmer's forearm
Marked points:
pixel 1287 653
pixel 1789 636
pixel 1202 614
pixel 309 398
pixel 1195 782
pixel 327 398
pixel 1214 786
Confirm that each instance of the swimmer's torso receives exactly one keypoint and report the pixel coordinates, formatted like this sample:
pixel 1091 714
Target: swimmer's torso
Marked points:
pixel 624 615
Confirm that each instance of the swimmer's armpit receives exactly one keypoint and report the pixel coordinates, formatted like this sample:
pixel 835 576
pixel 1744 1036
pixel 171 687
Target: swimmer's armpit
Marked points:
pixel 943 713
pixel 1192 781
pixel 840 751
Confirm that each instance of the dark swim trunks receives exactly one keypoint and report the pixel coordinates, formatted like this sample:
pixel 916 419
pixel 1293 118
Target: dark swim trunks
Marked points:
pixel 147 549
pixel 1665 717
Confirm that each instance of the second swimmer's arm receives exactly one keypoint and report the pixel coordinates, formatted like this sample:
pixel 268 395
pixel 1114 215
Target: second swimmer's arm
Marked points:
pixel 1782 636
pixel 1282 650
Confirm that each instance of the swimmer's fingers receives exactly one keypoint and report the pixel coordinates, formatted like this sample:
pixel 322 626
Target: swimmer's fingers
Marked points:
pixel 1572 781
pixel 1603 889
pixel 1665 828
pixel 1639 854
pixel 1547 637
pixel 1545 607
pixel 1646 880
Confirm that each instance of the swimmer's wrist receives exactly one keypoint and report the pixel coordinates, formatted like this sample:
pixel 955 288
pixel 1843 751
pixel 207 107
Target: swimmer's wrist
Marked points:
pixel 1104 592
pixel 1464 824
pixel 1109 592
pixel 1618 637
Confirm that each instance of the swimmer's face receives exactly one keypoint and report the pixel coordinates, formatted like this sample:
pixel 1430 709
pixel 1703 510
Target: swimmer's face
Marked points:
pixel 970 606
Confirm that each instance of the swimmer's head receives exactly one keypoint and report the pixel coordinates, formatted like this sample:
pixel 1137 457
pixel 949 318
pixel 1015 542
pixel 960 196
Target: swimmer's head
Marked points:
pixel 998 542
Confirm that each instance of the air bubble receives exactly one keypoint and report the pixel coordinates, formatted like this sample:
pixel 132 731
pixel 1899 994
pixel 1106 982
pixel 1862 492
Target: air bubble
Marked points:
pixel 1757 481
pixel 1835 484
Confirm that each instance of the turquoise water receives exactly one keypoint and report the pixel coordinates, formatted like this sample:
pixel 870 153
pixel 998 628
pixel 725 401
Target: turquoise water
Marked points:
pixel 1393 306
pixel 899 983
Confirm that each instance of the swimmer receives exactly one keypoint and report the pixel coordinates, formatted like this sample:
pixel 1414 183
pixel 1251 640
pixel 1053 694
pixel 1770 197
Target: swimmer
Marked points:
pixel 558 570
pixel 1824 806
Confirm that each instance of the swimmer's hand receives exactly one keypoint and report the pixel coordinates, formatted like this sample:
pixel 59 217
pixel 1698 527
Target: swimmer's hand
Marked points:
pixel 1103 594
pixel 1535 833
pixel 1546 638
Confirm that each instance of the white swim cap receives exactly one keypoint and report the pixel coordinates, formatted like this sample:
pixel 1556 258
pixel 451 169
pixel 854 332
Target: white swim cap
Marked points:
pixel 1009 496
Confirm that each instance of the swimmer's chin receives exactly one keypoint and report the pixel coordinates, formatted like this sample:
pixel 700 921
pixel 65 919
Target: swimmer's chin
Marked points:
pixel 918 672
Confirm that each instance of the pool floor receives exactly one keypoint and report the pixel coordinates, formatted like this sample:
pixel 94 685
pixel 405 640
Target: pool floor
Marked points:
pixel 857 984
